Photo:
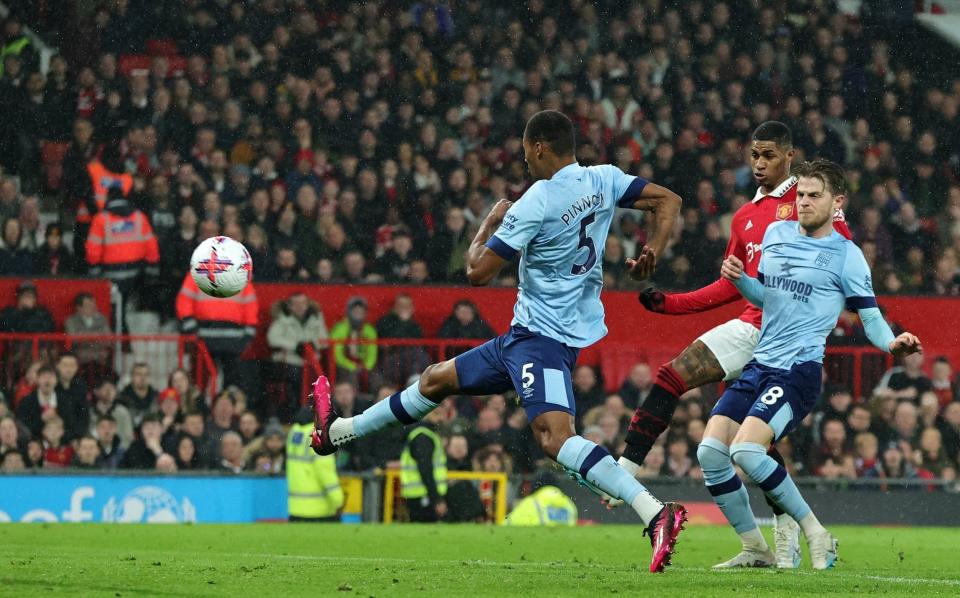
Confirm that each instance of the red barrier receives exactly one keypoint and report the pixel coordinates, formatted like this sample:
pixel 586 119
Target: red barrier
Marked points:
pixel 57 295
pixel 164 352
pixel 634 333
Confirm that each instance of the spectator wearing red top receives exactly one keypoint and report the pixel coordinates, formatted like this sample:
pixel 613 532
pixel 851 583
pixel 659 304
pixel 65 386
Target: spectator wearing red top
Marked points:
pixel 943 381
pixel 56 453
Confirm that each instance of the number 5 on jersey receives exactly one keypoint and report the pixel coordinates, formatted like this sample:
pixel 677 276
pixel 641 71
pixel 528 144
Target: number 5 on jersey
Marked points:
pixel 585 241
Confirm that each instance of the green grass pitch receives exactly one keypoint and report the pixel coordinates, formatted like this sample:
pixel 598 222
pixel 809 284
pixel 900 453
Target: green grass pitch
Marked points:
pixel 403 560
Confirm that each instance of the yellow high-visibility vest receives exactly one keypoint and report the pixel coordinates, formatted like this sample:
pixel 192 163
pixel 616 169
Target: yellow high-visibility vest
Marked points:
pixel 313 488
pixel 411 485
pixel 547 506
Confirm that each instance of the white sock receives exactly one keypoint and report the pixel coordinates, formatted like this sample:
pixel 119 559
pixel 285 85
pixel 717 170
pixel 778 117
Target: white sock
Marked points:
pixel 647 506
pixel 753 541
pixel 630 467
pixel 811 525
pixel 784 519
pixel 341 431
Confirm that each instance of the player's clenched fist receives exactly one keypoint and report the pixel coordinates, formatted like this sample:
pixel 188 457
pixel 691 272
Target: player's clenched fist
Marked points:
pixel 732 268
pixel 905 344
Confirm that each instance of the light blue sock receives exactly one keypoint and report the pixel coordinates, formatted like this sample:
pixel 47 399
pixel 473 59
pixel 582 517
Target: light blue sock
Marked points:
pixel 772 478
pixel 405 407
pixel 595 464
pixel 724 485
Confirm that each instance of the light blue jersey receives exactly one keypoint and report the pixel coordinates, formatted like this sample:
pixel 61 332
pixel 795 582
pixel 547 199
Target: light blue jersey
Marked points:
pixel 806 284
pixel 560 227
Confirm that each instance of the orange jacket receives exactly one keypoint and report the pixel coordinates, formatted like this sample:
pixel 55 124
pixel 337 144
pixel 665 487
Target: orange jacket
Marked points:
pixel 228 319
pixel 121 242
pixel 102 181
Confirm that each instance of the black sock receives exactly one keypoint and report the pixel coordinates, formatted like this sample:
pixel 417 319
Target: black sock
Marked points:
pixel 773 452
pixel 649 421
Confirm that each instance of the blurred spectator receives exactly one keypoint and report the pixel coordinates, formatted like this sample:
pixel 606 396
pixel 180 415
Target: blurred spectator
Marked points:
pixel 587 390
pixel 398 363
pixel 464 323
pixel 10 439
pixel 654 463
pixel 86 319
pixel 15 259
pixel 268 457
pixel 110 450
pixel 144 451
pixel 221 418
pixel 87 454
pixel 166 464
pixel 139 396
pixel 355 359
pixel 346 400
pixel 57 453
pixel 186 453
pixel 12 462
pixel 26 317
pixel 907 381
pixel 72 390
pixel 105 403
pixel 943 381
pixel 297 322
pixel 248 424
pixel 949 425
pixel 188 395
pixel 832 459
pixel 678 463
pixel 636 386
pixel 231 449
pixel 43 404
pixel 53 257
pixel 932 457
pixel 865 454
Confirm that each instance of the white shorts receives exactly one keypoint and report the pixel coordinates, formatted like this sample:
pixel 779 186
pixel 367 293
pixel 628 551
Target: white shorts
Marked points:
pixel 732 343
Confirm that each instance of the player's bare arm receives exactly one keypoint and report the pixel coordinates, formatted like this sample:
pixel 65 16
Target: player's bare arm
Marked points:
pixel 665 205
pixel 482 263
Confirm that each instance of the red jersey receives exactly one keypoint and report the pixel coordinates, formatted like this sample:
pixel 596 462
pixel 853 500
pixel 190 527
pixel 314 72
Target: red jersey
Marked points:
pixel 746 238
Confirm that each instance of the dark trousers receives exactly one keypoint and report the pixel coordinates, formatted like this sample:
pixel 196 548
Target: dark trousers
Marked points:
pixel 420 512
pixel 330 519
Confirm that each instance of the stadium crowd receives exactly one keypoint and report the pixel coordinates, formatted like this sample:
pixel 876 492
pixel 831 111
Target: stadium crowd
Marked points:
pixel 362 142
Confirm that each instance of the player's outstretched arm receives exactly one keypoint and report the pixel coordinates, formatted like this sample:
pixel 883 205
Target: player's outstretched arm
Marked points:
pixel 716 294
pixel 750 287
pixel 881 337
pixel 483 264
pixel 664 204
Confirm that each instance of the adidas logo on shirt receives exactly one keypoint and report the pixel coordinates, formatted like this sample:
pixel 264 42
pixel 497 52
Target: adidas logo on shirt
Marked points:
pixel 749 225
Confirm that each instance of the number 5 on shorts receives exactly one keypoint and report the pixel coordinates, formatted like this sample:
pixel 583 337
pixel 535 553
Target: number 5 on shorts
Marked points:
pixel 526 376
pixel 770 397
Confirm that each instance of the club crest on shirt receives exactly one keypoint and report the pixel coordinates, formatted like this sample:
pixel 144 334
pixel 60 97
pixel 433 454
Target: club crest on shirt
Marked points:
pixel 823 259
pixel 784 211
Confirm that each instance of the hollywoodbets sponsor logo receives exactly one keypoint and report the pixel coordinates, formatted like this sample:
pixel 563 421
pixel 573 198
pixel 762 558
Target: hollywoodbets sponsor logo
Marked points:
pixel 801 290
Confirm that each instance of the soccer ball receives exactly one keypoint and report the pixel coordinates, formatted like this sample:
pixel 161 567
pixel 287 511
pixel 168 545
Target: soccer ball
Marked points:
pixel 221 267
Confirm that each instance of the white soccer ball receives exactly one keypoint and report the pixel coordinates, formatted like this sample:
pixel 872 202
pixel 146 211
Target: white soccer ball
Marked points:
pixel 221 267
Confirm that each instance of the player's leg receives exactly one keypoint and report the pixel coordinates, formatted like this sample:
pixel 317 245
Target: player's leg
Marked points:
pixel 540 368
pixel 719 354
pixel 779 408
pixel 477 371
pixel 721 479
